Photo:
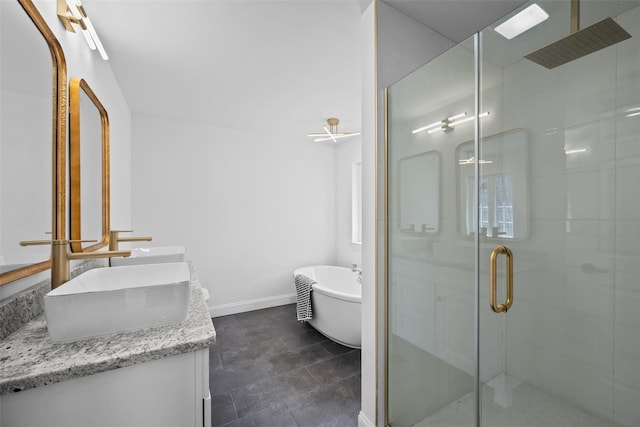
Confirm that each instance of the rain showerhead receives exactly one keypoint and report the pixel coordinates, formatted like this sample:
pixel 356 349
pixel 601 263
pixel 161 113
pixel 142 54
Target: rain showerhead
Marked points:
pixel 580 43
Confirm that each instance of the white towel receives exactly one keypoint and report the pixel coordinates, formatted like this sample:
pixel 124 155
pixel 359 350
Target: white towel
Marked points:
pixel 303 296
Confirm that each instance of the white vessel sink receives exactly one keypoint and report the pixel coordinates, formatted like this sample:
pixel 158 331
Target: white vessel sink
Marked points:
pixel 107 301
pixel 153 255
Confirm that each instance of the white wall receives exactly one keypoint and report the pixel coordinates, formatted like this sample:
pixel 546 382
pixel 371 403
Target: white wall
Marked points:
pixel 370 380
pixel 249 207
pixel 87 64
pixel 347 153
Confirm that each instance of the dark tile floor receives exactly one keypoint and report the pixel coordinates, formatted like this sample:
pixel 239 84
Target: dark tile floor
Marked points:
pixel 268 369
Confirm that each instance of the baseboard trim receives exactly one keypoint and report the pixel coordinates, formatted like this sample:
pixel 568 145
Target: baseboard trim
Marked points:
pixel 363 421
pixel 250 305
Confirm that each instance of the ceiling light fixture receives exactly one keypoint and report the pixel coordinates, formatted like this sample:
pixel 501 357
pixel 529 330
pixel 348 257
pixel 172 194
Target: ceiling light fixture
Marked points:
pixel 331 132
pixel 522 21
pixel 471 160
pixel 448 123
pixel 73 12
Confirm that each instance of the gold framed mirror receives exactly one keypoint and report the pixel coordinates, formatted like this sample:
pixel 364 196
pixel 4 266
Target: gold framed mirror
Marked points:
pixel 54 161
pixel 419 190
pixel 88 167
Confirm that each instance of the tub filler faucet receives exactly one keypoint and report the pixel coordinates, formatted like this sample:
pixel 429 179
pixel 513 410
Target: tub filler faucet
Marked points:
pixel 358 271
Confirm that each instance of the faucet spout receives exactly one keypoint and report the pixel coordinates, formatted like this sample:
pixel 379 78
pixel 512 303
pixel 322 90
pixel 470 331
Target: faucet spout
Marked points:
pixel 114 239
pixel 61 257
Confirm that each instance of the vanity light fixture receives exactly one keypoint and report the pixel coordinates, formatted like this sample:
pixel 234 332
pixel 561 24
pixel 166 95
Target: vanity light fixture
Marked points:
pixel 73 12
pixel 439 124
pixel 633 112
pixel 448 123
pixel 576 151
pixel 331 132
pixel 522 21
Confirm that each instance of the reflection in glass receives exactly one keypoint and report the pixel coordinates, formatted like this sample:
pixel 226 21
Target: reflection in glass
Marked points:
pixel 419 193
pixel 503 190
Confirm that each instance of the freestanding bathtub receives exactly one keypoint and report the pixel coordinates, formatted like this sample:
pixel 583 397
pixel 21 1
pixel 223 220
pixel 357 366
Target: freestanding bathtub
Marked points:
pixel 336 299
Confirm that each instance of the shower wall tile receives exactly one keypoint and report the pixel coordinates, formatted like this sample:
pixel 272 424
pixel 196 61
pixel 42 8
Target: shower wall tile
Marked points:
pixel 591 195
pixel 568 99
pixel 547 370
pixel 593 389
pixel 627 237
pixel 588 237
pixel 627 300
pixel 597 137
pixel 628 129
pixel 626 409
pixel 626 356
pixel 548 197
pixel 547 153
pixel 628 193
pixel 629 64
pixel 582 337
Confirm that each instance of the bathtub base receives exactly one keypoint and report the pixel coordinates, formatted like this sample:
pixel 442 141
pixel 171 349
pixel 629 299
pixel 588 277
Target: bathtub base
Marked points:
pixel 336 319
pixel 336 301
pixel 351 345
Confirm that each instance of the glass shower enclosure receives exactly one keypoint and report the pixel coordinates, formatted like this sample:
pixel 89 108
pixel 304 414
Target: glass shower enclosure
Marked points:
pixel 513 246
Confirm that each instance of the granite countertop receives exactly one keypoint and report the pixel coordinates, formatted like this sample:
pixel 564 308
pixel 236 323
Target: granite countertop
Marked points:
pixel 28 358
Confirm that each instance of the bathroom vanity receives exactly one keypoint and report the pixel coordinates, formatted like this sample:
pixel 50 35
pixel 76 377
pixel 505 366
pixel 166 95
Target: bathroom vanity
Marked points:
pixel 152 377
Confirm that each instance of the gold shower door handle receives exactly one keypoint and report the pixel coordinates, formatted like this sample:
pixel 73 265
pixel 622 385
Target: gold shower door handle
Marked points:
pixel 493 279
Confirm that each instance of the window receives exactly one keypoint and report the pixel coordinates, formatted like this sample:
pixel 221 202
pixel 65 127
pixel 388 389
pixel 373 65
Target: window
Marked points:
pixel 495 207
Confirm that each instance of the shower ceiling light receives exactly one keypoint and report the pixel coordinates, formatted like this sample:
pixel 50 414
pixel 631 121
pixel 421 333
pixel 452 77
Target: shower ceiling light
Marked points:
pixel 521 22
pixel 72 12
pixel 331 132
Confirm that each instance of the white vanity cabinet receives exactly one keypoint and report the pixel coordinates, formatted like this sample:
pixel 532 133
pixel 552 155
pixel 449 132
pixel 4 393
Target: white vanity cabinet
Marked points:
pixel 153 377
pixel 171 392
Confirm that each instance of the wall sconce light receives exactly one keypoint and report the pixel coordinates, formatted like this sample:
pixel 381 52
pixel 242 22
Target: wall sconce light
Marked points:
pixel 72 12
pixel 448 123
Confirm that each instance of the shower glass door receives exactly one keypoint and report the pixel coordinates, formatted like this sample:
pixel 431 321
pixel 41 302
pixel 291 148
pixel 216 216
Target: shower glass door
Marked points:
pixel 513 254
pixel 557 192
pixel 431 294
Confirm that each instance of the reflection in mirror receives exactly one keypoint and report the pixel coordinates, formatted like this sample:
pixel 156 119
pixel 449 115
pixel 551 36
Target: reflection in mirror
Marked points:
pixel 89 167
pixel 504 194
pixel 28 55
pixel 419 193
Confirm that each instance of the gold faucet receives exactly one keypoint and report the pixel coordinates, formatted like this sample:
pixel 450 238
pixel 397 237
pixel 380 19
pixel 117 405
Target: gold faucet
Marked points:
pixel 61 255
pixel 114 239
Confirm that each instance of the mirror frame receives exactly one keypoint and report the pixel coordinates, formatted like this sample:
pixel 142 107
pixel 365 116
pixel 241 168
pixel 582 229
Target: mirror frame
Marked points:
pixel 59 140
pixel 438 155
pixel 76 87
